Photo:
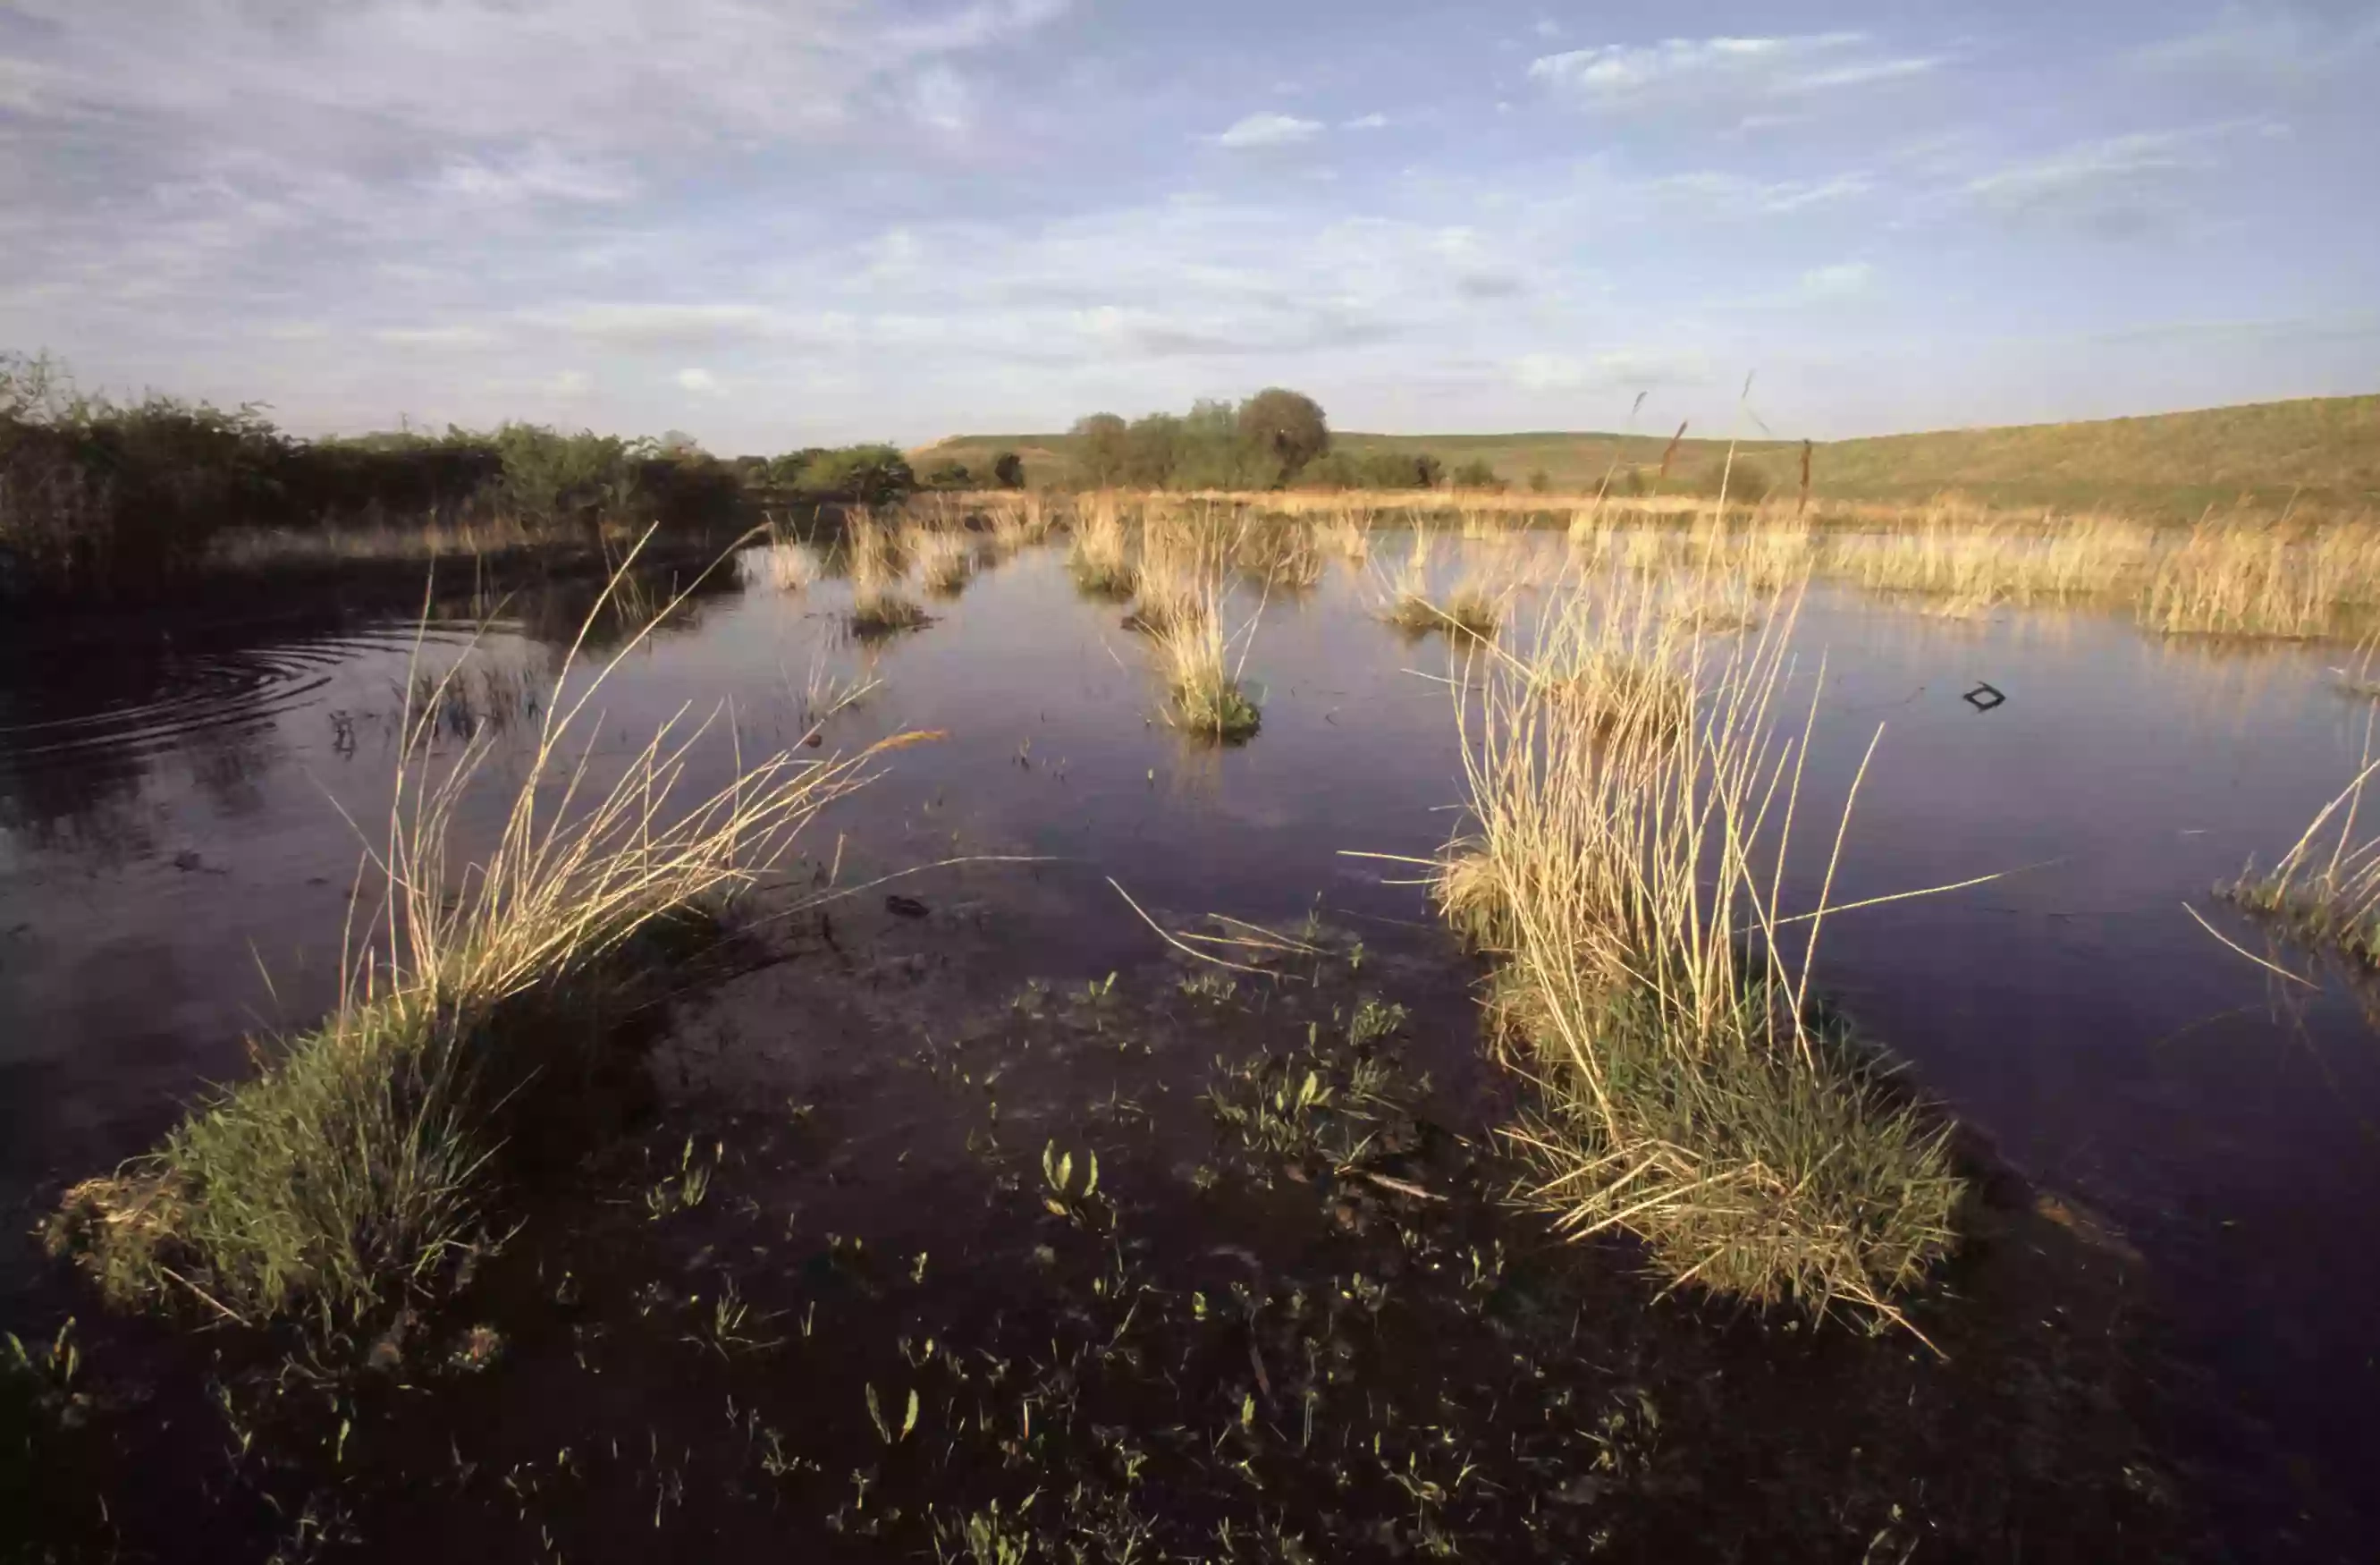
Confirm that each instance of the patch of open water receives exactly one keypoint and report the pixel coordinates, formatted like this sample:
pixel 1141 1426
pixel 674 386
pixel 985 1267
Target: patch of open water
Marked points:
pixel 176 857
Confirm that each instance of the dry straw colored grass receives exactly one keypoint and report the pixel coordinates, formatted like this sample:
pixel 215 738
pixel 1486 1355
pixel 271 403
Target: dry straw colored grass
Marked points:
pixel 358 1166
pixel 1634 797
pixel 1100 557
pixel 879 566
pixel 1199 656
pixel 2327 888
pixel 945 561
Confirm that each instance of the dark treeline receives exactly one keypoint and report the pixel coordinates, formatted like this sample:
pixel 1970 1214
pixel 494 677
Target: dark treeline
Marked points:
pixel 102 498
pixel 1276 438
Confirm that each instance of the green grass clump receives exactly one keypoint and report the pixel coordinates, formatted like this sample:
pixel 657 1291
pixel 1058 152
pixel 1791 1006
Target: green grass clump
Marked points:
pixel 358 1167
pixel 1687 1092
pixel 1216 709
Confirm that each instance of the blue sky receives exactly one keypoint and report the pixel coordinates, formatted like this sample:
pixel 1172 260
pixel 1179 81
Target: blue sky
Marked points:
pixel 779 223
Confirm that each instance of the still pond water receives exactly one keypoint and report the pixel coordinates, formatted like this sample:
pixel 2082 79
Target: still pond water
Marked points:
pixel 176 857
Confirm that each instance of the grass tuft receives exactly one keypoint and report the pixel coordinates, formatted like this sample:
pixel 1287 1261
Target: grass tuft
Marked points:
pixel 357 1166
pixel 2325 891
pixel 1100 558
pixel 1688 1093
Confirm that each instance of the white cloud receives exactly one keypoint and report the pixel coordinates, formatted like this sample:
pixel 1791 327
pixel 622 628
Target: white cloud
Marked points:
pixel 1682 72
pixel 1628 368
pixel 2281 46
pixel 2118 186
pixel 1367 122
pixel 538 174
pixel 671 326
pixel 940 97
pixel 1715 193
pixel 1844 279
pixel 699 382
pixel 1267 129
pixel 433 336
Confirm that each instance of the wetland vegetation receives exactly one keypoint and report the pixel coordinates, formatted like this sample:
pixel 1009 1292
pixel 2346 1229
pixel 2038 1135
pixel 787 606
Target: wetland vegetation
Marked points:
pixel 694 1154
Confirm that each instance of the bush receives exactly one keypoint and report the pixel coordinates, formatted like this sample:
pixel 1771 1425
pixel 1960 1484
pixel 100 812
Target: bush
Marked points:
pixel 1286 425
pixel 1476 474
pixel 1102 448
pixel 870 475
pixel 947 474
pixel 1008 470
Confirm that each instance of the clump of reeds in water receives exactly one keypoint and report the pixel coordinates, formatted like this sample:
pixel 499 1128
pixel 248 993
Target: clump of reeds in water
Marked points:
pixel 1409 604
pixel 1277 554
pixel 1350 533
pixel 1100 559
pixel 2327 888
pixel 361 1167
pixel 781 565
pixel 1198 657
pixel 1688 1092
pixel 878 569
pixel 1168 582
pixel 945 561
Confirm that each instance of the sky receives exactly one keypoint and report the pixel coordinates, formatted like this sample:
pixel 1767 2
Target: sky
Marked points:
pixel 780 223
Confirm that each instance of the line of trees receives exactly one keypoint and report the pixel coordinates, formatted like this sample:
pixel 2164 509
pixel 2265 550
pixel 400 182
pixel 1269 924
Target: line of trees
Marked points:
pixel 1276 438
pixel 107 498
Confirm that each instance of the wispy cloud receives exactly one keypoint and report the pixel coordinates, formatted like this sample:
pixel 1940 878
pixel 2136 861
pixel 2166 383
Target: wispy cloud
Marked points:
pixel 2268 46
pixel 538 173
pixel 1267 129
pixel 1375 121
pixel 1844 279
pixel 699 382
pixel 1682 72
pixel 2118 186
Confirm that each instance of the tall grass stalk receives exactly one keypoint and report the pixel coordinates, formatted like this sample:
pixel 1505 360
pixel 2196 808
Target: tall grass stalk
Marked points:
pixel 1629 861
pixel 2327 888
pixel 357 1166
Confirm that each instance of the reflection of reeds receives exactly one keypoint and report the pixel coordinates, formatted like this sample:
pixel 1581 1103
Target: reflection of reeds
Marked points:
pixel 357 1168
pixel 1626 864
pixel 469 698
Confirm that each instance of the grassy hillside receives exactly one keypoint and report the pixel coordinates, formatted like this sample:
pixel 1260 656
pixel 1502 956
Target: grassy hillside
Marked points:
pixel 2322 452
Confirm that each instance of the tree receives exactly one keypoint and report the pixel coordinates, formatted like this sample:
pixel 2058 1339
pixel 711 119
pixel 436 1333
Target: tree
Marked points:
pixel 948 474
pixel 1286 424
pixel 1102 445
pixel 1008 470
pixel 1538 481
pixel 1475 474
pixel 1150 447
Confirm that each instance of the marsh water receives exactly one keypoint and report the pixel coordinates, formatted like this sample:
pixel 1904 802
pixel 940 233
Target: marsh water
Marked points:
pixel 182 814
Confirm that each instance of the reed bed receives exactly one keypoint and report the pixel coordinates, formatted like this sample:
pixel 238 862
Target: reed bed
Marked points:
pixel 1277 554
pixel 2217 583
pixel 1100 558
pixel 1628 865
pixel 359 1167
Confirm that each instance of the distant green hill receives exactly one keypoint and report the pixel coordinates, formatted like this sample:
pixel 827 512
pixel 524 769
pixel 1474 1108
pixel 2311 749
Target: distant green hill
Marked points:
pixel 2322 452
